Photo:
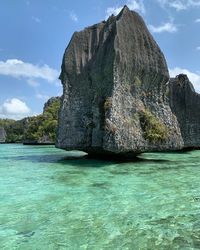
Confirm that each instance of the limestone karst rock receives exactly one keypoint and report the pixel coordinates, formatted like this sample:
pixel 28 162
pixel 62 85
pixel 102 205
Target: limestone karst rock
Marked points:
pixel 185 104
pixel 114 79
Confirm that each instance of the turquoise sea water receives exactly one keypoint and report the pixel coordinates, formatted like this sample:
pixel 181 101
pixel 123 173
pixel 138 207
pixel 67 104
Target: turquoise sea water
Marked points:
pixel 48 200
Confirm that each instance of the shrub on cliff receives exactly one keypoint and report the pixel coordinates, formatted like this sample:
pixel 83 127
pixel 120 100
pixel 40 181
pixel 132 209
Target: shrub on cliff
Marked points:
pixel 154 129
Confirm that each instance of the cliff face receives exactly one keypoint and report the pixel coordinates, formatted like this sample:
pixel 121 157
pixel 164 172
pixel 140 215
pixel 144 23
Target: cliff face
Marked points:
pixel 114 79
pixel 185 104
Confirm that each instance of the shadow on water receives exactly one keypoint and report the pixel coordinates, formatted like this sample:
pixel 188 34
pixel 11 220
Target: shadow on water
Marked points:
pixel 95 162
pixel 81 161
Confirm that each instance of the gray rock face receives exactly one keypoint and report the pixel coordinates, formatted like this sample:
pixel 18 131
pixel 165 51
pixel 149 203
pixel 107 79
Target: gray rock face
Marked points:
pixel 114 79
pixel 2 135
pixel 185 104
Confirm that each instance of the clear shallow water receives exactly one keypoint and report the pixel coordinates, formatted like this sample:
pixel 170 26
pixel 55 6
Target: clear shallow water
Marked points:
pixel 49 200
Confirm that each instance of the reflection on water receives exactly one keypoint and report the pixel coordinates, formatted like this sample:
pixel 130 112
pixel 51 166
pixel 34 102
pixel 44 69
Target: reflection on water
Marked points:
pixel 50 200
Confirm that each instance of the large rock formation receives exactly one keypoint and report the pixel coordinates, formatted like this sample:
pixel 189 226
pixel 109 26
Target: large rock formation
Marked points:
pixel 185 104
pixel 114 78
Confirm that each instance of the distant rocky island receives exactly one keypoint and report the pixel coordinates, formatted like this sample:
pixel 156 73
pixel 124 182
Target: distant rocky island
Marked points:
pixel 185 104
pixel 40 129
pixel 118 96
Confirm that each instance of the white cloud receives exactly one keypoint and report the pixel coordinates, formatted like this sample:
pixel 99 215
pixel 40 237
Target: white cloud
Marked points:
pixel 197 20
pixel 193 77
pixel 136 5
pixel 179 5
pixel 19 69
pixel 165 27
pixel 73 16
pixel 14 109
pixel 198 48
pixel 36 19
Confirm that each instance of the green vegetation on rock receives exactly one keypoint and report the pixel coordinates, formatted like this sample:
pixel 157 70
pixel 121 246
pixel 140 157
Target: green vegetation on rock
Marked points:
pixel 37 129
pixel 107 103
pixel 42 128
pixel 14 129
pixel 154 129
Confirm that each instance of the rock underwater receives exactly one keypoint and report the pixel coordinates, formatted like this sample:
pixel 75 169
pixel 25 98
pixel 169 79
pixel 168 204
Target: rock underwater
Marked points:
pixel 114 78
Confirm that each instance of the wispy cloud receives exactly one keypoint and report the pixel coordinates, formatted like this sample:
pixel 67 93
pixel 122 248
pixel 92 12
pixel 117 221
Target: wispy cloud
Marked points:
pixel 113 10
pixel 73 17
pixel 137 5
pixel 179 5
pixel 36 19
pixel 169 27
pixel 33 82
pixel 197 20
pixel 198 48
pixel 194 77
pixel 30 72
pixel 14 109
pixel 42 96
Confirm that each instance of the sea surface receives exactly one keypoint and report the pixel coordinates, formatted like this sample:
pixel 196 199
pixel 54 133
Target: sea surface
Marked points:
pixel 49 199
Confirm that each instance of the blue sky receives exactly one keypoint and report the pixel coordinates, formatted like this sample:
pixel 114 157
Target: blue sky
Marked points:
pixel 35 33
